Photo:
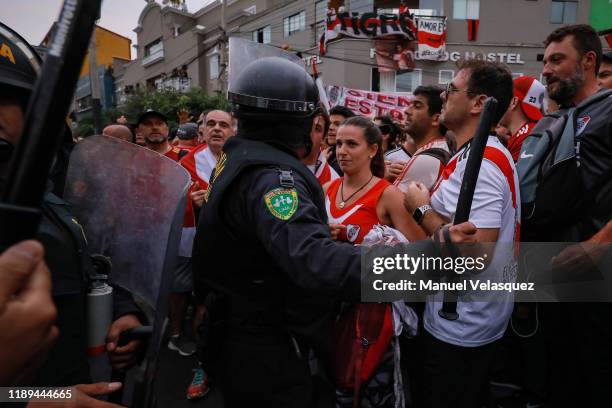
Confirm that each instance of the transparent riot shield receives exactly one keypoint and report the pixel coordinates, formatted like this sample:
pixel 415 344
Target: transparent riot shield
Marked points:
pixel 242 52
pixel 242 55
pixel 131 201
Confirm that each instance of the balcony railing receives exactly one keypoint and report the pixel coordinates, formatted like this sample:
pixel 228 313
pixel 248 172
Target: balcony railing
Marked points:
pixel 177 83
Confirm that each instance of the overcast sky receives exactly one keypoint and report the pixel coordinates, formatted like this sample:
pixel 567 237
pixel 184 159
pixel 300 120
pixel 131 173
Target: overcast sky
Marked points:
pixel 33 18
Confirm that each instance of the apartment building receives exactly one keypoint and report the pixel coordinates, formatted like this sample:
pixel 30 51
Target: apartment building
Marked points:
pixel 509 31
pixel 112 51
pixel 181 49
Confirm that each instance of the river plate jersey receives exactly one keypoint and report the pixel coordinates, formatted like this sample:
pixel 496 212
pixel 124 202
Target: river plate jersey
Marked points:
pixel 496 204
pixel 358 217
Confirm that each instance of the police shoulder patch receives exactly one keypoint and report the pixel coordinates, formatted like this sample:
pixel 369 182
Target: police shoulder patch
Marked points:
pixel 282 202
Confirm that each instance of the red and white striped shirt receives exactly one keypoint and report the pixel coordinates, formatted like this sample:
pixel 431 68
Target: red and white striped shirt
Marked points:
pixel 322 170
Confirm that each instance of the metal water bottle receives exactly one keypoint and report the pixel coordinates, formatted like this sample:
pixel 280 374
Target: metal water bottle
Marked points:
pixel 99 307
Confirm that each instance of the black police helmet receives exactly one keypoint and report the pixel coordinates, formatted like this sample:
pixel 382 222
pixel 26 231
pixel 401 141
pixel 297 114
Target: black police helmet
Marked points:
pixel 19 62
pixel 273 87
pixel 275 101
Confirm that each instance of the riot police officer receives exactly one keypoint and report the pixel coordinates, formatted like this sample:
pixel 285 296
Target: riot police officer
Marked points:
pixel 61 235
pixel 264 248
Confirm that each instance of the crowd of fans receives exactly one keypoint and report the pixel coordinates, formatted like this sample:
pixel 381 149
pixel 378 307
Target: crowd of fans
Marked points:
pixel 407 176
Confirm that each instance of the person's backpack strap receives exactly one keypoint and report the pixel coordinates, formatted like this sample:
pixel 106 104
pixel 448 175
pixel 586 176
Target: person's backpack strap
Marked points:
pixel 438 153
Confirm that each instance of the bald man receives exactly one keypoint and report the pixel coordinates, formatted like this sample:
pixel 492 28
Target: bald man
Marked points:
pixel 119 131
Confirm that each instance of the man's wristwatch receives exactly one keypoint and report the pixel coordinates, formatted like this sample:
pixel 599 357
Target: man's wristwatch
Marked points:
pixel 419 213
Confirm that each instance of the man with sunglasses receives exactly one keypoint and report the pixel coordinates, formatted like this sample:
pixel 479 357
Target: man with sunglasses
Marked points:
pixel 467 345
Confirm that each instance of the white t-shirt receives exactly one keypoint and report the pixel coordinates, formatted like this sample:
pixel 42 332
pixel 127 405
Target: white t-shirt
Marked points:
pixel 399 154
pixel 496 204
pixel 422 167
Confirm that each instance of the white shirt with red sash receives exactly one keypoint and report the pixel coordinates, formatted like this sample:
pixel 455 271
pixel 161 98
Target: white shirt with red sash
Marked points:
pixel 496 204
pixel 322 170
pixel 200 163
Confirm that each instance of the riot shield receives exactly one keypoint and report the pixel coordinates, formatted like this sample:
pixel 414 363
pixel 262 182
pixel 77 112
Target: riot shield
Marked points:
pixel 242 52
pixel 131 201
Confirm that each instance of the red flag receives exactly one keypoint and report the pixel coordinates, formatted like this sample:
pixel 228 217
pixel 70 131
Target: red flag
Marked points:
pixel 473 29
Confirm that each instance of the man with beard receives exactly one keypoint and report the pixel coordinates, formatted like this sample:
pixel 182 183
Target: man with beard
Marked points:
pixel 153 126
pixel 423 124
pixel 579 335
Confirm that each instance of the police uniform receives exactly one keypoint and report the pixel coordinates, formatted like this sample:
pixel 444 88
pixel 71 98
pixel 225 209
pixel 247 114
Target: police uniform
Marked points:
pixel 70 264
pixel 274 261
pixel 264 248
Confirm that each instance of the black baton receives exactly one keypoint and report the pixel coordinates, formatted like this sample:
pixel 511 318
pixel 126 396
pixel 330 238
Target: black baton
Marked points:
pixel 466 194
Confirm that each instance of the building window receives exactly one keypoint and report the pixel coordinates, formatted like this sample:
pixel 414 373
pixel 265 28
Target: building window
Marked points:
pixel 251 10
pixel 213 66
pixel 466 9
pixel 154 47
pixel 295 23
pixel 262 35
pixel 408 81
pixel 320 17
pixel 563 12
pixel 320 11
pixel 445 76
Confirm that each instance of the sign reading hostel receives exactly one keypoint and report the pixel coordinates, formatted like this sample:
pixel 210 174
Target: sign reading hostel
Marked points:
pixel 509 58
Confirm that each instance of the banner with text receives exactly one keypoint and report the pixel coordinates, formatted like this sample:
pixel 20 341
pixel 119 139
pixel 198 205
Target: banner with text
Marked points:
pixel 370 104
pixel 366 26
pixel 431 37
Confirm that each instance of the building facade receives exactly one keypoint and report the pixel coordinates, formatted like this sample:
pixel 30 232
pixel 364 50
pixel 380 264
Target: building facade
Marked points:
pixel 179 49
pixel 112 50
pixel 175 44
pixel 509 31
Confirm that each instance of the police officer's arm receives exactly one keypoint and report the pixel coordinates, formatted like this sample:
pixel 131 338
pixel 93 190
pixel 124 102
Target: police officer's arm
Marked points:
pixel 301 244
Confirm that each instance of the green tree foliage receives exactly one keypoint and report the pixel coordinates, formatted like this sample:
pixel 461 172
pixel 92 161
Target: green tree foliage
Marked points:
pixel 170 102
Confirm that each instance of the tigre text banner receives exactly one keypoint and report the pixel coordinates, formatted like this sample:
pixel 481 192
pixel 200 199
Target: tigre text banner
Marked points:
pixel 366 26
